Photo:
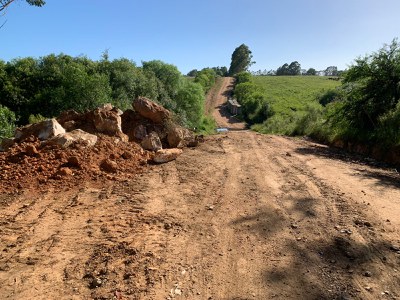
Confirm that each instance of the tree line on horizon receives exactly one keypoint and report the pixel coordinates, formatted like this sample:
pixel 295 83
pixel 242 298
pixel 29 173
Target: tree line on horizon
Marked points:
pixel 294 69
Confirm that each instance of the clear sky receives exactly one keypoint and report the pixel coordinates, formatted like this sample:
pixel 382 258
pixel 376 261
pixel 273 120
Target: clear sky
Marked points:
pixel 193 34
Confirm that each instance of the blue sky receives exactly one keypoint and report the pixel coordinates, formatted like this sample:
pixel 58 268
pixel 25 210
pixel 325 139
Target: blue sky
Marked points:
pixel 196 34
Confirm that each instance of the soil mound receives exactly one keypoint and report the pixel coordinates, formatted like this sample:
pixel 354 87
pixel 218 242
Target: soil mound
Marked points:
pixel 102 144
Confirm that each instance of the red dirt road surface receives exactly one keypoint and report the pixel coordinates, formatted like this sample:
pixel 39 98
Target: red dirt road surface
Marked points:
pixel 242 216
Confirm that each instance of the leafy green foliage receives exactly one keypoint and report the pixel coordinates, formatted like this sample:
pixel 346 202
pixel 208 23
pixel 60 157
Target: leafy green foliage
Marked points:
pixel 255 107
pixel 329 96
pixel 206 78
pixel 290 70
pixel 331 71
pixel 311 71
pixel 207 125
pixel 192 73
pixel 168 74
pixel 221 71
pixel 54 83
pixel 36 119
pixel 241 60
pixel 7 122
pixel 242 77
pixel 190 103
pixel 372 87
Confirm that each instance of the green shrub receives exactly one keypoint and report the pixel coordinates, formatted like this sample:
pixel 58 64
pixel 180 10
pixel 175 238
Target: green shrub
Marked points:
pixel 242 77
pixel 36 118
pixel 7 122
pixel 326 97
pixel 207 125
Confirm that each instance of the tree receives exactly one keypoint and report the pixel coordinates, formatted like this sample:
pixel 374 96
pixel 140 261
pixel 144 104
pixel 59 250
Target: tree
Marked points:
pixel 192 73
pixel 221 71
pixel 190 103
pixel 372 88
pixel 5 3
pixel 241 60
pixel 168 74
pixel 311 71
pixel 242 77
pixel 331 71
pixel 206 78
pixel 294 68
pixel 283 70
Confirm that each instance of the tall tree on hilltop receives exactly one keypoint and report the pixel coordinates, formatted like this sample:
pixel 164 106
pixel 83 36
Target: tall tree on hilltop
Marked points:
pixel 294 68
pixel 241 60
pixel 5 3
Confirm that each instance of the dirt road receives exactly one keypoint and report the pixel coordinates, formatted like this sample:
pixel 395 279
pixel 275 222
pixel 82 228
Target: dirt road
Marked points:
pixel 242 216
pixel 216 105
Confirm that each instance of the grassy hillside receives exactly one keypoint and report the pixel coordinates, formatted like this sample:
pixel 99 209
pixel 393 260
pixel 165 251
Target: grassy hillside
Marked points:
pixel 290 98
pixel 286 94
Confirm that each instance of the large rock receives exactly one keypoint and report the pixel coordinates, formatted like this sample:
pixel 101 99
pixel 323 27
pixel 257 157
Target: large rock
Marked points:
pixel 166 155
pixel 179 137
pixel 65 140
pixel 152 142
pixel 107 121
pixel 43 130
pixel 150 110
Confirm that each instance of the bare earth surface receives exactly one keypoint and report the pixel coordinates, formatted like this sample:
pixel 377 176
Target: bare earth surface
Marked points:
pixel 242 216
pixel 216 105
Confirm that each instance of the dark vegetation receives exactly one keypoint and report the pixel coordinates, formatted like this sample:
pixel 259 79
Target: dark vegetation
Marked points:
pixel 293 69
pixel 241 60
pixel 219 71
pixel 363 108
pixel 32 89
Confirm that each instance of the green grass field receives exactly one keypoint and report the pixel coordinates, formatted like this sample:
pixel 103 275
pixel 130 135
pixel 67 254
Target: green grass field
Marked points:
pixel 293 100
pixel 286 94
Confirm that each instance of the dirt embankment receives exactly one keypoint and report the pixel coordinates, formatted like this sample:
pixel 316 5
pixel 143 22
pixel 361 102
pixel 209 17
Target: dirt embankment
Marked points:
pixel 242 216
